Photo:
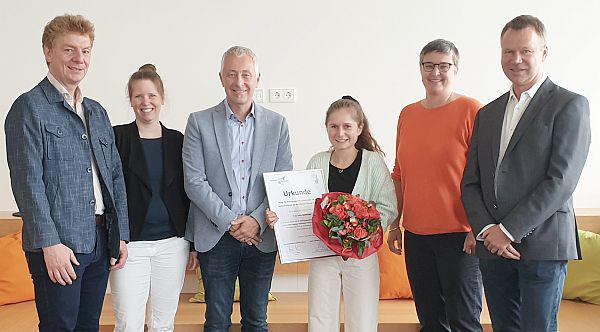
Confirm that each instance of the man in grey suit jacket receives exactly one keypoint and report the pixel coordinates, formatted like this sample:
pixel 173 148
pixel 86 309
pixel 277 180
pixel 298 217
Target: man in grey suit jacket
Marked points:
pixel 226 149
pixel 67 181
pixel 527 152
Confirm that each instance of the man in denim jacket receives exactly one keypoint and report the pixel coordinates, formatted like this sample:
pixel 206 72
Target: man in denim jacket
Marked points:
pixel 67 181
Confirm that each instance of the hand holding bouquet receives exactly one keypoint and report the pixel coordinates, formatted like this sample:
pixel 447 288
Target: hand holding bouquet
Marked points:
pixel 348 225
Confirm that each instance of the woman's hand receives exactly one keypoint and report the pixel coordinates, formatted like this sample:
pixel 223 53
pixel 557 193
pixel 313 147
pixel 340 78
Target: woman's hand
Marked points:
pixel 271 217
pixel 394 240
pixel 469 245
pixel 192 263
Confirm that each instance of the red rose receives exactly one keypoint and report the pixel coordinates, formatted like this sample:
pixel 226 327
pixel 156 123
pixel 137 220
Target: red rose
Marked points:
pixel 360 211
pixel 360 233
pixel 339 211
pixel 373 213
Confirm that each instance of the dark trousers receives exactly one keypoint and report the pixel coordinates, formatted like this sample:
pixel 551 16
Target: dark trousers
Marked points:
pixel 445 282
pixel 523 295
pixel 220 266
pixel 74 307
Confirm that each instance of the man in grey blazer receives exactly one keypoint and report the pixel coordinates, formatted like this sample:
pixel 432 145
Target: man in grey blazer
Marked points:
pixel 67 181
pixel 226 149
pixel 527 152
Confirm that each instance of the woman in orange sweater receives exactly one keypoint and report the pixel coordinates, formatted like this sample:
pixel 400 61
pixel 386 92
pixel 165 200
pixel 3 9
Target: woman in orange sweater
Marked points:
pixel 431 148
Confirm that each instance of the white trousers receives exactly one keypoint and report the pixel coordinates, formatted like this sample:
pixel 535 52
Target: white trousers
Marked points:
pixel 357 281
pixel 153 273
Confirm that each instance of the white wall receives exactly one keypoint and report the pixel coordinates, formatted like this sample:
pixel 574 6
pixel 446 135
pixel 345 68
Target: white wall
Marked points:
pixel 324 49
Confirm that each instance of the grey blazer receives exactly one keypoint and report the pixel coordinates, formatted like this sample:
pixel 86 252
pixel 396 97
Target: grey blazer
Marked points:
pixel 208 173
pixel 49 156
pixel 537 176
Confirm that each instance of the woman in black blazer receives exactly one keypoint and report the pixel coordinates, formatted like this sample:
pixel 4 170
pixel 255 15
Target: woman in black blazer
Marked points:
pixel 158 209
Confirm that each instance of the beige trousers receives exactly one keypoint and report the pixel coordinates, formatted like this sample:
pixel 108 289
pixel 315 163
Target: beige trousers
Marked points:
pixel 357 281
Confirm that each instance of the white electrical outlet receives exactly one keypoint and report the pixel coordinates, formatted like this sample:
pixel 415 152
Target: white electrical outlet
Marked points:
pixel 282 95
pixel 259 95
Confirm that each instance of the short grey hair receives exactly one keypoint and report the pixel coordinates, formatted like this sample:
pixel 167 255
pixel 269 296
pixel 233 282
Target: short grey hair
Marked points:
pixel 440 46
pixel 239 51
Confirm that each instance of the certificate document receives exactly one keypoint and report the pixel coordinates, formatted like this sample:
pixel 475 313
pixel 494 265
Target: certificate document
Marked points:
pixel 292 196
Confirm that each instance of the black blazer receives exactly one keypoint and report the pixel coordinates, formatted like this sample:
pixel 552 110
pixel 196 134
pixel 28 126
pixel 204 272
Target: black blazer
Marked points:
pixel 127 140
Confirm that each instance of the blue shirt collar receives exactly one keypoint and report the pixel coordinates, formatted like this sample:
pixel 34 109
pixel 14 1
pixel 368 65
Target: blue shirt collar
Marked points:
pixel 230 115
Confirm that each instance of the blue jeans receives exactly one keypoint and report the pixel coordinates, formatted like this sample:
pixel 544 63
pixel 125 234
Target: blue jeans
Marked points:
pixel 445 282
pixel 220 266
pixel 74 307
pixel 523 295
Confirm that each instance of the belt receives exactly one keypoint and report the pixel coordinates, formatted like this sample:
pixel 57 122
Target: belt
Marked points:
pixel 99 220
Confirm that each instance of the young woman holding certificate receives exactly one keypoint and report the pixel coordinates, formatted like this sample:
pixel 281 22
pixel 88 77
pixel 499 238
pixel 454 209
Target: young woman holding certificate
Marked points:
pixel 353 165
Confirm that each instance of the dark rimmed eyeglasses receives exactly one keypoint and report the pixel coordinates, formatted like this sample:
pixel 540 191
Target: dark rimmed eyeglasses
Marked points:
pixel 430 66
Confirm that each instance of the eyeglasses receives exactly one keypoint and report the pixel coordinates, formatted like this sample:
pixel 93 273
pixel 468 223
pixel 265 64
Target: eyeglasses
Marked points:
pixel 430 66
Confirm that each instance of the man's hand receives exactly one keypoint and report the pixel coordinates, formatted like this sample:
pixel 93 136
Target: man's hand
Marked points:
pixel 245 229
pixel 192 263
pixel 394 240
pixel 498 243
pixel 469 244
pixel 118 264
pixel 58 259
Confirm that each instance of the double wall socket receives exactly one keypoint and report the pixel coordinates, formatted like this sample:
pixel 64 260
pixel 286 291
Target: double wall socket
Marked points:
pixel 282 95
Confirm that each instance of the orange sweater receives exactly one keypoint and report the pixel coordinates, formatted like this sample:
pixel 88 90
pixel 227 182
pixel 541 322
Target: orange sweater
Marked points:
pixel 431 153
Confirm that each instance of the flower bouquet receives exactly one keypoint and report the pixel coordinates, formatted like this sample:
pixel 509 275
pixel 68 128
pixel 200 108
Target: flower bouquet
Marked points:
pixel 348 225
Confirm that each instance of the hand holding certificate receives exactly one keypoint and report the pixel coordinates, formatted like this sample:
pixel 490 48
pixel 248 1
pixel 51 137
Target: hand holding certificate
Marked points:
pixel 292 196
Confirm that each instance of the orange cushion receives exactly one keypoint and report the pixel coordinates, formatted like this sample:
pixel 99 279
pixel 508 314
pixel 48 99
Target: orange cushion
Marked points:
pixel 393 279
pixel 15 281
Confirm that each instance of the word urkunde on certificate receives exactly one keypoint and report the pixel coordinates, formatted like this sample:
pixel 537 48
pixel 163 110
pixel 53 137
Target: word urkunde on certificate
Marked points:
pixel 292 196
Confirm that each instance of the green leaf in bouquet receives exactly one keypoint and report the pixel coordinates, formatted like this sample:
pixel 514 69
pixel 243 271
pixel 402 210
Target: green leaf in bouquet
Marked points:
pixel 351 214
pixel 332 217
pixel 361 248
pixel 336 228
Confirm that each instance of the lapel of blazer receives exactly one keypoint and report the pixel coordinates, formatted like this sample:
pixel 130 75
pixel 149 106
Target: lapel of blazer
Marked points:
pixel 170 157
pixel 137 160
pixel 260 135
pixel 538 102
pixel 497 120
pixel 221 133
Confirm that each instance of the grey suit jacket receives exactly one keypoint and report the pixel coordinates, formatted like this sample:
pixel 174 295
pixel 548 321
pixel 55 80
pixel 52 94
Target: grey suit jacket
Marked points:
pixel 49 156
pixel 537 176
pixel 208 173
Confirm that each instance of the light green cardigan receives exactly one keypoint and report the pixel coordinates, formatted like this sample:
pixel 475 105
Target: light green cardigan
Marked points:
pixel 374 182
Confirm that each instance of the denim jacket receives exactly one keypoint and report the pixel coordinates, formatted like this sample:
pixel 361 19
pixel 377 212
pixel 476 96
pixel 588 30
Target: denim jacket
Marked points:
pixel 49 155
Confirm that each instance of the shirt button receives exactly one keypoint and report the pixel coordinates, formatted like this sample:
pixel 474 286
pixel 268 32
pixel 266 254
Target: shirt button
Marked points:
pixel 89 169
pixel 59 132
pixel 83 136
pixel 242 160
pixel 92 202
pixel 494 206
pixel 244 197
pixel 243 177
